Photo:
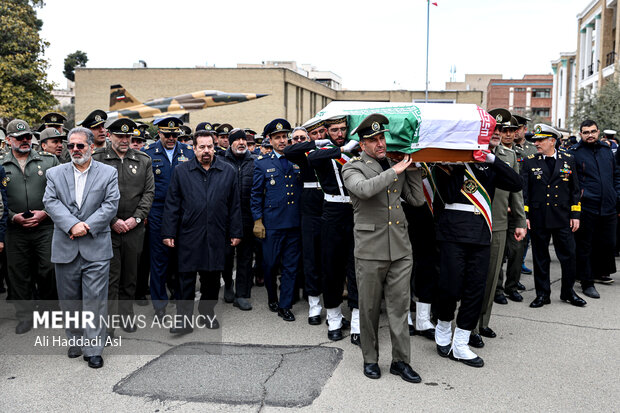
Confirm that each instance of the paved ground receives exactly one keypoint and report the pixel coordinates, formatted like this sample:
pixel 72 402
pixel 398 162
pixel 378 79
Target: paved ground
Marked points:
pixel 557 358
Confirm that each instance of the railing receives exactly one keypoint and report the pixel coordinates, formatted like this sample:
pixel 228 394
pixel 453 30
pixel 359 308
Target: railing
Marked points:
pixel 610 58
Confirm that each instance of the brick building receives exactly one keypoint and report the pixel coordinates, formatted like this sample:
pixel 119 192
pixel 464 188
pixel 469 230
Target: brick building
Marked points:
pixel 291 95
pixel 528 96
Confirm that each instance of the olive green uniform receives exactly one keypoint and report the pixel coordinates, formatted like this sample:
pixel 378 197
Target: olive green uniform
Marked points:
pixel 514 248
pixel 499 210
pixel 28 249
pixel 137 187
pixel 383 259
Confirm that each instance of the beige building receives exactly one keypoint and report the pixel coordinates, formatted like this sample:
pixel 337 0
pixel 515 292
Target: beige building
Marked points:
pixel 291 94
pixel 474 82
pixel 564 86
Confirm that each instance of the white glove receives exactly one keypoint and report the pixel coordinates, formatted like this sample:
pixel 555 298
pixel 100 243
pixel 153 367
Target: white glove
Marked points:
pixel 322 142
pixel 350 146
pixel 490 158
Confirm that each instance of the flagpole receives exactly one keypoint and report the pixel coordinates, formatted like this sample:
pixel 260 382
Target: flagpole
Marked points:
pixel 428 14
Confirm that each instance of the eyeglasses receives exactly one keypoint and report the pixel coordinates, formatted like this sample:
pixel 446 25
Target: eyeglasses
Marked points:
pixel 336 130
pixel 80 146
pixel 298 138
pixel 23 138
pixel 589 132
pixel 170 135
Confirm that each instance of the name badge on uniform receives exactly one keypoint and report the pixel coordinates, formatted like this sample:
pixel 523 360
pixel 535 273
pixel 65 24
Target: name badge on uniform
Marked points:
pixel 182 158
pixel 271 170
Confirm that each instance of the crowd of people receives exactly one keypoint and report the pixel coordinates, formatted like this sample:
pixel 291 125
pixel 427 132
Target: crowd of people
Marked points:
pixel 101 216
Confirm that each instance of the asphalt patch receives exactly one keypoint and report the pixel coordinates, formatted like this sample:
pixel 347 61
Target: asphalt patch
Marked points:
pixel 288 376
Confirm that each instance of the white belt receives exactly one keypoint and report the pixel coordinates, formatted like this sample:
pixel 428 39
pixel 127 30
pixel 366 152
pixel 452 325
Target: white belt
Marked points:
pixel 338 198
pixel 311 185
pixel 463 207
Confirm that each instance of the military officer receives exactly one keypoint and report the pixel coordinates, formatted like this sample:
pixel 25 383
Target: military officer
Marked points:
pixel 499 211
pixel 165 155
pixel 337 228
pixel 29 232
pixel 311 210
pixel 52 142
pixel 383 259
pixel 95 121
pixel 276 193
pixel 138 139
pixel 137 188
pixel 552 204
pixel 53 120
pixel 186 135
pixel 222 138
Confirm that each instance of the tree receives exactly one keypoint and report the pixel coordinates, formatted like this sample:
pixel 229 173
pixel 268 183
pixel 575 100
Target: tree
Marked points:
pixel 24 89
pixel 603 107
pixel 73 60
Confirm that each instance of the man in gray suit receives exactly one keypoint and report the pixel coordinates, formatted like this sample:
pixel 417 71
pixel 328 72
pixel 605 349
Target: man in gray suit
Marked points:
pixel 82 197
pixel 382 250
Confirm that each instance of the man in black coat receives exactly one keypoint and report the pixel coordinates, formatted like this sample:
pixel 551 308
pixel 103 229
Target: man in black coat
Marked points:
pixel 240 158
pixel 551 198
pixel 202 214
pixel 599 179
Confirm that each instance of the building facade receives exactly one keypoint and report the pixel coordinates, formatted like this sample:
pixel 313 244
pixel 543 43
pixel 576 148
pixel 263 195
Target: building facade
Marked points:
pixel 475 82
pixel 528 96
pixel 564 87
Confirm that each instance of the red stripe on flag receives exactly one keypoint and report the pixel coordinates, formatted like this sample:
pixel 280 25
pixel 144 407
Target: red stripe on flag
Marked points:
pixel 434 4
pixel 487 127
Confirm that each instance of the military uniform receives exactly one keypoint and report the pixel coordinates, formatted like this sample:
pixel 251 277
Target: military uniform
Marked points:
pixel 276 194
pixel 136 186
pixel 551 196
pixel 28 249
pixel 311 210
pixel 162 172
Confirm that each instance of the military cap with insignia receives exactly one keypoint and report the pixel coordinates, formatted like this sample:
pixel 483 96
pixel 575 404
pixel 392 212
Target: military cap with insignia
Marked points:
pixel 266 143
pixel 168 125
pixel 501 116
pixel 512 123
pixel 371 125
pixel 522 120
pixel 121 126
pixel 18 127
pixel 313 124
pixel 205 126
pixel 249 138
pixel 276 125
pixel 609 132
pixel 258 139
pixel 51 133
pixel 224 129
pixel 185 130
pixel 542 131
pixel 249 131
pixel 94 119
pixel 53 119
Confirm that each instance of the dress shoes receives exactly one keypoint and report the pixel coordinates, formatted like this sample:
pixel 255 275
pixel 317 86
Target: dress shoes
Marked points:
pixel 430 333
pixel 355 339
pixel 74 352
pixel 273 307
pixel 404 370
pixel 591 292
pixel 525 270
pixel 443 351
pixel 23 327
pixel 130 328
pixel 500 299
pixel 573 299
pixel 346 324
pixel 515 296
pixel 242 304
pixel 475 362
pixel 487 332
pixel 94 362
pixel 160 313
pixel 179 331
pixel 603 279
pixel 520 287
pixel 314 320
pixel 372 370
pixel 229 294
pixel 476 341
pixel 286 314
pixel 335 335
pixel 141 301
pixel 539 301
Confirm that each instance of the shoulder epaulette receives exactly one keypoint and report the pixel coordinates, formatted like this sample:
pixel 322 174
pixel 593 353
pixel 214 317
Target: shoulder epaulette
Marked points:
pixel 188 146
pixel 147 146
pixel 44 153
pixel 531 156
pixel 355 158
pixel 259 157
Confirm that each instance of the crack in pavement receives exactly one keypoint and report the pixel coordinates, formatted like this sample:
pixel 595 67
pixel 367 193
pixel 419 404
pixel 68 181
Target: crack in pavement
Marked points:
pixel 558 322
pixel 262 404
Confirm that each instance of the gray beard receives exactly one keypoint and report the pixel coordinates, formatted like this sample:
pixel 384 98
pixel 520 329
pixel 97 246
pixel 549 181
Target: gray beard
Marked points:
pixel 82 160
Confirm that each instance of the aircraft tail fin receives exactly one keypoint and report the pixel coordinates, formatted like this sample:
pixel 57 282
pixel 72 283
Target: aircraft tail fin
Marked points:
pixel 120 98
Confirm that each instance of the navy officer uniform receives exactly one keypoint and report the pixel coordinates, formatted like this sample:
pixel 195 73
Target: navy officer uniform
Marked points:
pixel 551 197
pixel 276 194
pixel 163 165
pixel 311 210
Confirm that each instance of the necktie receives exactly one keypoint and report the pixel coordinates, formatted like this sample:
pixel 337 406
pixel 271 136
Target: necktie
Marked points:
pixel 550 160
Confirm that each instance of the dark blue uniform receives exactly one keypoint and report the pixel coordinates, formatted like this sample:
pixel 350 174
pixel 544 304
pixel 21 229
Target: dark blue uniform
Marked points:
pixel 551 200
pixel 276 194
pixel 160 254
pixel 599 180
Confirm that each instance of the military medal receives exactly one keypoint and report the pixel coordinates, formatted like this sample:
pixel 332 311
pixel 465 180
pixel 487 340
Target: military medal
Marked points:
pixel 157 171
pixel 182 158
pixel 272 182
pixel 40 172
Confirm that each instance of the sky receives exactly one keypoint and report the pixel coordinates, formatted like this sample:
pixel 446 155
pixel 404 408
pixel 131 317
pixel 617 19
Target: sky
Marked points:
pixel 371 45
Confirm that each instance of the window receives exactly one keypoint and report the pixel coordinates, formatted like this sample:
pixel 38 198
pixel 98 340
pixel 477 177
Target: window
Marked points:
pixel 518 110
pixel 519 89
pixel 542 112
pixel 541 93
